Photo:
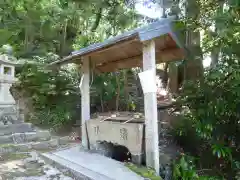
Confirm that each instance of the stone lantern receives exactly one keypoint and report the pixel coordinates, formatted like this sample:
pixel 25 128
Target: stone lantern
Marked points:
pixel 7 78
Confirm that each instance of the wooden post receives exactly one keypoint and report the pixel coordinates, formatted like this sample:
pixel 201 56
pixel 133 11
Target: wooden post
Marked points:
pixel 150 107
pixel 85 99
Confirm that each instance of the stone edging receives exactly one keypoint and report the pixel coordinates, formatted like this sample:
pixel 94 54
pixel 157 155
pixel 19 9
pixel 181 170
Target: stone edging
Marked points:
pixel 70 171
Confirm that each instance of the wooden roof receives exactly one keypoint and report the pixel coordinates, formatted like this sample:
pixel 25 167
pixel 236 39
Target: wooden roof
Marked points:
pixel 125 50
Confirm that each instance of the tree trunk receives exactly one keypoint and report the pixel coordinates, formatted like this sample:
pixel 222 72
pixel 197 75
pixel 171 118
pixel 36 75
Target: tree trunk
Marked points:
pixel 102 103
pixel 118 92
pixel 126 96
pixel 216 50
pixel 173 78
pixel 193 65
pixel 214 57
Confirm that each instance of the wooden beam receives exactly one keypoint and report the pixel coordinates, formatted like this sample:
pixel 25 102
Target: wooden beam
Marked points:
pixel 120 64
pixel 116 46
pixel 85 99
pixel 150 108
pixel 161 56
pixel 102 55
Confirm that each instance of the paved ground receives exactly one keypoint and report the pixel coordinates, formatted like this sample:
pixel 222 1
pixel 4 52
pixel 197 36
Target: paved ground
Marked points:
pixel 20 144
pixel 28 166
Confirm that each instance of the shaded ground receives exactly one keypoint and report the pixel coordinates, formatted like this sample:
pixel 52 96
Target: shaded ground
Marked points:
pixel 28 166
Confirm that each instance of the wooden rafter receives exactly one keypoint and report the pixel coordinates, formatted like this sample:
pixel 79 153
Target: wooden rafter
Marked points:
pixel 161 56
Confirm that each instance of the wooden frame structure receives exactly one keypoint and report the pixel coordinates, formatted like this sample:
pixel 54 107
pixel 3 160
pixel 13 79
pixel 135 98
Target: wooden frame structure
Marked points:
pixel 142 47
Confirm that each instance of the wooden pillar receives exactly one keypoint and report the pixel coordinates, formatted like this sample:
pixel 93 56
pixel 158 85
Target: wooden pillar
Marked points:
pixel 85 99
pixel 150 106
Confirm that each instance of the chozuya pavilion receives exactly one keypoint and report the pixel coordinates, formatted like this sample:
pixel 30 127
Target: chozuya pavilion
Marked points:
pixel 143 47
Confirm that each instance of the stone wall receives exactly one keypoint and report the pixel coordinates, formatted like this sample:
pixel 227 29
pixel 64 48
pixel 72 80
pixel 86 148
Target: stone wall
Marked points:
pixel 24 103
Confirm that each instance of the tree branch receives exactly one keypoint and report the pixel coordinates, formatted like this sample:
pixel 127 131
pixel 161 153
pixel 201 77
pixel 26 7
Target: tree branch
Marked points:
pixel 97 20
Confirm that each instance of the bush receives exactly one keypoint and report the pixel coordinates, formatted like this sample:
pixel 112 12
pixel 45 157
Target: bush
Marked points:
pixel 54 95
pixel 185 169
pixel 213 114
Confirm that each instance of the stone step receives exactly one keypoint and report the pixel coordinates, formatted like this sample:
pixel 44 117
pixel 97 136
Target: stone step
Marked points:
pixel 16 128
pixel 18 138
pixel 8 122
pixel 90 166
pixel 51 144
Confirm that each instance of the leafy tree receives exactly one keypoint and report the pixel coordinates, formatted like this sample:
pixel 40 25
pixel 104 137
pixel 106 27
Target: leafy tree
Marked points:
pixel 37 27
pixel 213 102
pixel 46 91
pixel 44 31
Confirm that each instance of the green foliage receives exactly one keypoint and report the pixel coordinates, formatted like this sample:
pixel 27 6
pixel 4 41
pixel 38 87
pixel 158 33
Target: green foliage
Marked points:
pixel 213 112
pixel 211 104
pixel 107 87
pixel 143 171
pixel 185 169
pixel 38 30
pixel 53 95
pixel 185 135
pixel 37 27
pixel 236 165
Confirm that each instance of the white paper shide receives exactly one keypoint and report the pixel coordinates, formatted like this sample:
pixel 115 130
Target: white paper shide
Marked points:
pixel 148 81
